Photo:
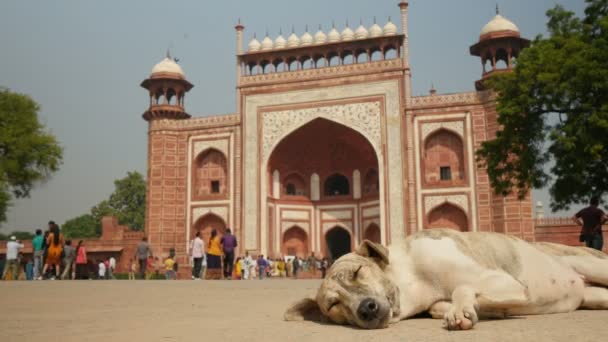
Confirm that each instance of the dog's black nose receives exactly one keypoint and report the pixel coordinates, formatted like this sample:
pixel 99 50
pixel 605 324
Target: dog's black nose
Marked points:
pixel 368 310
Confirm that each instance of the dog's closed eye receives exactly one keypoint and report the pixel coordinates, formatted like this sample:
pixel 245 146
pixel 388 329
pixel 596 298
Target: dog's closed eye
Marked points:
pixel 356 273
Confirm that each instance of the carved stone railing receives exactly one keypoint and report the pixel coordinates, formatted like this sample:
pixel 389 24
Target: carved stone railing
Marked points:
pixel 200 122
pixel 321 73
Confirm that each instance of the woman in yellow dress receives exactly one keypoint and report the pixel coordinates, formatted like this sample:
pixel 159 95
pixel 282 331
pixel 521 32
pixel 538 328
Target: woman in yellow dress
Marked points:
pixel 238 268
pixel 55 243
pixel 214 257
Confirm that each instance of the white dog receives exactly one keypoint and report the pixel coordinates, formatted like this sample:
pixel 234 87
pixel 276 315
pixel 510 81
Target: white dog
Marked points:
pixel 457 277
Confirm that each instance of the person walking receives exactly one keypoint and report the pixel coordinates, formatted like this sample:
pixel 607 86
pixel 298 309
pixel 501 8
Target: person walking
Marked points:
pixel 214 257
pixel 142 253
pixel 81 261
pixel 38 247
pixel 324 266
pixel 112 264
pixel 11 267
pixel 229 243
pixel 101 270
pixel 246 264
pixel 261 266
pixel 69 256
pixel 591 220
pixel 295 266
pixel 55 247
pixel 197 250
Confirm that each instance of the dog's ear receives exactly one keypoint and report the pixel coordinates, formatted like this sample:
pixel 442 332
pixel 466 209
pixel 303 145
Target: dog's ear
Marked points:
pixel 375 251
pixel 306 309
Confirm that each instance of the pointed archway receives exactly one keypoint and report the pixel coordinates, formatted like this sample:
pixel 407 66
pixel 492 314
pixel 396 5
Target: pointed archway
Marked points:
pixel 372 233
pixel 295 242
pixel 206 224
pixel 338 242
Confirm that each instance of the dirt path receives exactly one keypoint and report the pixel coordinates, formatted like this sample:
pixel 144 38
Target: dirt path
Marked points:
pixel 231 311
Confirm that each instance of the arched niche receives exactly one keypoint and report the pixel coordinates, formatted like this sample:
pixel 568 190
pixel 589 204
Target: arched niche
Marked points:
pixel 295 242
pixel 450 216
pixel 444 162
pixel 210 178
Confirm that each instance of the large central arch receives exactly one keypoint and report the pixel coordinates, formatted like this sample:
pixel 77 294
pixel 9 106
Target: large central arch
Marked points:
pixel 322 163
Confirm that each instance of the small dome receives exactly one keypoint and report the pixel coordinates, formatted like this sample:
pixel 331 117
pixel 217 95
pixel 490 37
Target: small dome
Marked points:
pixel 390 29
pixel 293 41
pixel 320 37
pixel 497 24
pixel 361 32
pixel 280 42
pixel 267 43
pixel 347 34
pixel 375 31
pixel 306 39
pixel 333 36
pixel 168 65
pixel 254 45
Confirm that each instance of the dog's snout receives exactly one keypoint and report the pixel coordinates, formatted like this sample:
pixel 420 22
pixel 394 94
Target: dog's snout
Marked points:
pixel 368 310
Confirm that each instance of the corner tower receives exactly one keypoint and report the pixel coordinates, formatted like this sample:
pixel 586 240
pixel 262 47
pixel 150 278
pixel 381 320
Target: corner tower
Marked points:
pixel 167 86
pixel 499 44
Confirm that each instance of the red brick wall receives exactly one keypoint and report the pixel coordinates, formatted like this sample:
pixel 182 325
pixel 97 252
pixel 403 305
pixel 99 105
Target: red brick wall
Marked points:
pixel 166 200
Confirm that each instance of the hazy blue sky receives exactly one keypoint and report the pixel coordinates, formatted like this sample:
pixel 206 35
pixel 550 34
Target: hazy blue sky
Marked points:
pixel 83 61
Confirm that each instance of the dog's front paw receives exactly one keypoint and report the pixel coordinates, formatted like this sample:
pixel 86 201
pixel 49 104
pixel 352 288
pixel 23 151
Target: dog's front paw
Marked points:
pixel 460 318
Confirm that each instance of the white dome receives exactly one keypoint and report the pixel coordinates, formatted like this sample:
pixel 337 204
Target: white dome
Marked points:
pixel 347 34
pixel 390 29
pixel 361 32
pixel 267 43
pixel 320 37
pixel 168 65
pixel 497 24
pixel 280 42
pixel 254 45
pixel 333 36
pixel 293 41
pixel 306 39
pixel 375 31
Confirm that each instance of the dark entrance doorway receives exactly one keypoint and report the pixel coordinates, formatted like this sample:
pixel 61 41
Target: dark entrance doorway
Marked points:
pixel 338 243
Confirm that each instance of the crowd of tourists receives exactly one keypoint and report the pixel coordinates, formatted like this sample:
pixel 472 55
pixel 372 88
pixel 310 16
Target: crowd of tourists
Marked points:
pixel 215 259
pixel 53 257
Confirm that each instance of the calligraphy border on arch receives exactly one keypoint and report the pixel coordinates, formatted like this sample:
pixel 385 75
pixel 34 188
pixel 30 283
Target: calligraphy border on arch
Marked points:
pixel 364 117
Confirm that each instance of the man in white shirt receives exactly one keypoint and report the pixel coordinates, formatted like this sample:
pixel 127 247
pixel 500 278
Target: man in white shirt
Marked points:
pixel 197 251
pixel 12 260
pixel 112 263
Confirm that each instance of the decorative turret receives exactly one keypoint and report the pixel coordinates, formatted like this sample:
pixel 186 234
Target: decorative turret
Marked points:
pixel 499 41
pixel 167 86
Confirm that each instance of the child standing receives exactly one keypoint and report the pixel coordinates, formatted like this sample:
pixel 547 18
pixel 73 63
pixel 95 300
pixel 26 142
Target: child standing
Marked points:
pixel 238 268
pixel 169 271
pixel 102 270
pixel 132 268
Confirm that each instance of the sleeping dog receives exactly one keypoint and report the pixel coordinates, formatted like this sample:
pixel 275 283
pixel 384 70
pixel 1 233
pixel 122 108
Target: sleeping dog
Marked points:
pixel 457 277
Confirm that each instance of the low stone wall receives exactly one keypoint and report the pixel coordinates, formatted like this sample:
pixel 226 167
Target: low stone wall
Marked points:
pixel 562 230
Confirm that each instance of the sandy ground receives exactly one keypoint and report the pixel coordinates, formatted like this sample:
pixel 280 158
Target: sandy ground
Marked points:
pixel 231 311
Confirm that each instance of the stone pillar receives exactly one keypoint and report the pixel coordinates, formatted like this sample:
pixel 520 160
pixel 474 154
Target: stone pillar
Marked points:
pixel 276 184
pixel 356 184
pixel 314 187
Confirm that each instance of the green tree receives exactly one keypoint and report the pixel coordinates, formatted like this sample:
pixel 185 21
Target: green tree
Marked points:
pixel 83 226
pixel 28 153
pixel 554 107
pixel 127 203
pixel 19 235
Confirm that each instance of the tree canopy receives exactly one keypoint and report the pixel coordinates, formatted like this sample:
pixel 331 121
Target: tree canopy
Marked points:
pixel 127 203
pixel 553 108
pixel 19 235
pixel 28 153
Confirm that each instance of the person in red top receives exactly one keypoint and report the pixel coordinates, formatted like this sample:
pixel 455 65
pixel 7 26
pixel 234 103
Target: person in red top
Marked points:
pixel 81 261
pixel 591 219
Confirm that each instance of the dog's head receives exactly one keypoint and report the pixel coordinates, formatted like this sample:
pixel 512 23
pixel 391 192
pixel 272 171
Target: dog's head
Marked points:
pixel 355 291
